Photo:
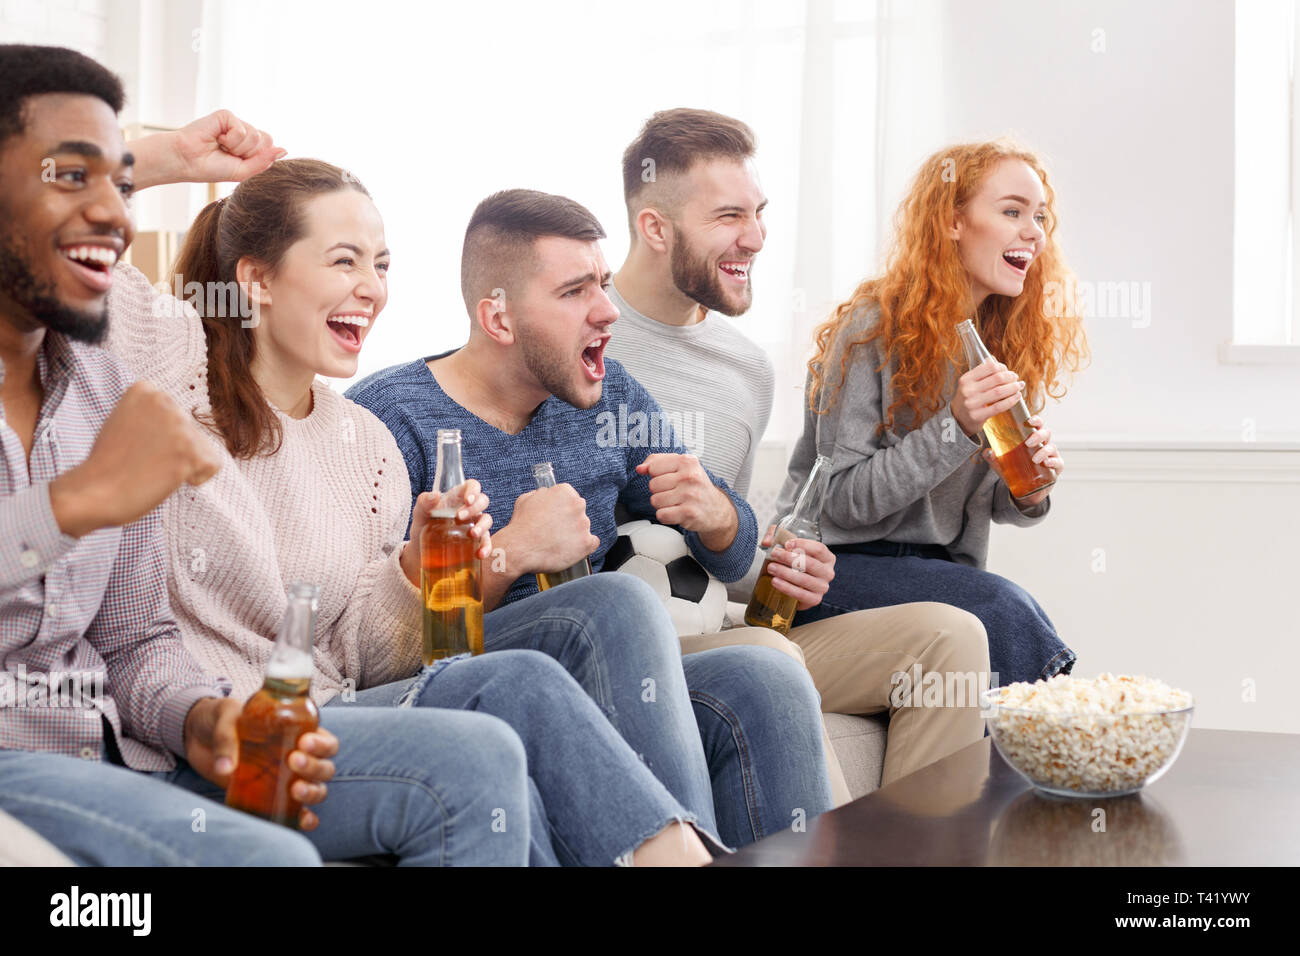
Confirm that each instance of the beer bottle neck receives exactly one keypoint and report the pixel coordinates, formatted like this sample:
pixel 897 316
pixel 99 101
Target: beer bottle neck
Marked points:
pixel 972 344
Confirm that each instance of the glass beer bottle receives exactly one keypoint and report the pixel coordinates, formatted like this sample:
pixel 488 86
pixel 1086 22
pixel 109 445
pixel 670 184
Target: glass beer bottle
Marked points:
pixel 451 575
pixel 544 475
pixel 768 607
pixel 1006 432
pixel 276 716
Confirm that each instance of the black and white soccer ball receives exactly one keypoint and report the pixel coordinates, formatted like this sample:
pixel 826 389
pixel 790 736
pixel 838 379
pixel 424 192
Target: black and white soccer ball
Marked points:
pixel 657 554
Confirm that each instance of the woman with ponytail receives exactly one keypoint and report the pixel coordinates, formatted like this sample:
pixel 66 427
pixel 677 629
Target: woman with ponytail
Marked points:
pixel 890 400
pixel 283 281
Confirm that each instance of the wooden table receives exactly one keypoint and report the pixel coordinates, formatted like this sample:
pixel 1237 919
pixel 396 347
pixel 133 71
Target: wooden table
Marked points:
pixel 1231 799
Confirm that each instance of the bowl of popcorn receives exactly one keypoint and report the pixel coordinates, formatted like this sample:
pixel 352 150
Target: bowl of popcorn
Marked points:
pixel 1078 737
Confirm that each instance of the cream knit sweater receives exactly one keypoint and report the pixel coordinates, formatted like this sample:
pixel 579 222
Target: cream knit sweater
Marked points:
pixel 329 508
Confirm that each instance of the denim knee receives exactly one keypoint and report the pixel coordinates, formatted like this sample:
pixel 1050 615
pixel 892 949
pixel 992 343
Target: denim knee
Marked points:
pixel 627 598
pixel 266 844
pixel 770 681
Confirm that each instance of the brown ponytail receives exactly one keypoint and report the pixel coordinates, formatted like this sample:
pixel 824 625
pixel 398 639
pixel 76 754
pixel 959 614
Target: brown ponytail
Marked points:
pixel 260 220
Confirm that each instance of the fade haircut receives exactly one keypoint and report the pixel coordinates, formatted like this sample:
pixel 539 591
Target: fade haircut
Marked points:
pixel 27 71
pixel 670 143
pixel 499 251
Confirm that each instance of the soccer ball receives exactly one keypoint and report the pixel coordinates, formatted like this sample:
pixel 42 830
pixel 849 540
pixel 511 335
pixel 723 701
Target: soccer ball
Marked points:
pixel 658 555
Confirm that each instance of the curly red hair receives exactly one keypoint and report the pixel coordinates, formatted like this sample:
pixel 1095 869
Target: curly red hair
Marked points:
pixel 925 291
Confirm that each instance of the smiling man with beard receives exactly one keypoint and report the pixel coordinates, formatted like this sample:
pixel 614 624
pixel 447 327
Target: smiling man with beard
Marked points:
pixel 695 212
pixel 85 456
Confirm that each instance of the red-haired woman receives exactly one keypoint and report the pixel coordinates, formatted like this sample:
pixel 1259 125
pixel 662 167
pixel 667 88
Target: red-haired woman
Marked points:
pixel 911 494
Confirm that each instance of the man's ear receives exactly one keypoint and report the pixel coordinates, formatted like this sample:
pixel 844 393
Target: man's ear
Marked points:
pixel 493 318
pixel 653 228
pixel 252 278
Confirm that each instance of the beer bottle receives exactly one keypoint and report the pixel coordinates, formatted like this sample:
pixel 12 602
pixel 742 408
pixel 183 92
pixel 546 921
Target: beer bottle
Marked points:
pixel 276 716
pixel 544 475
pixel 451 574
pixel 1006 432
pixel 768 607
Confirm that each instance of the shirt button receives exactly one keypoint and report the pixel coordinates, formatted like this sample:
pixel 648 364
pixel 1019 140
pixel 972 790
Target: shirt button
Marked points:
pixel 87 753
pixel 29 558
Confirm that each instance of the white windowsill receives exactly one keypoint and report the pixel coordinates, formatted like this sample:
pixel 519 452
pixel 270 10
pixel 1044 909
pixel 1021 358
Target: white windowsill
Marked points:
pixel 1233 353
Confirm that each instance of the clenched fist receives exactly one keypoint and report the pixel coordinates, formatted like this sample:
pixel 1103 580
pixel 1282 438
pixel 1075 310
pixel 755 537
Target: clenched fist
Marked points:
pixel 549 531
pixel 682 494
pixel 145 450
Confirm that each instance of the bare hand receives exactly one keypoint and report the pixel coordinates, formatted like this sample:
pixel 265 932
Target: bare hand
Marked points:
pixel 471 503
pixel 218 148
pixel 549 530
pixel 145 450
pixel 212 749
pixel 682 494
pixel 1046 455
pixel 986 390
pixel 802 568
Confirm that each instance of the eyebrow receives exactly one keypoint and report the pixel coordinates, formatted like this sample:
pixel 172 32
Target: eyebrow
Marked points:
pixel 357 249
pixel 1020 199
pixel 583 280
pixel 79 147
pixel 740 209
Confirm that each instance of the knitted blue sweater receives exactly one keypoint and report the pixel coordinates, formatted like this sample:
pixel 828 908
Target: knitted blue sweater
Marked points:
pixel 595 450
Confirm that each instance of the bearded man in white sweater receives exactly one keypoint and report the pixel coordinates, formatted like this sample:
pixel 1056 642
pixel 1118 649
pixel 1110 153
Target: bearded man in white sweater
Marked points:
pixel 695 213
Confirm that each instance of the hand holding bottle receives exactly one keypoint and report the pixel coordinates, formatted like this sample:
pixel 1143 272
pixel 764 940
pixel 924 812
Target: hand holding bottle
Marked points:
pixel 1045 453
pixel 986 390
pixel 471 504
pixel 802 568
pixel 548 530
pixel 212 749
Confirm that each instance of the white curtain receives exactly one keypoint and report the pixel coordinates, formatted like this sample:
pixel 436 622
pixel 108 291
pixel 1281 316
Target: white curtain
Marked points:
pixel 434 107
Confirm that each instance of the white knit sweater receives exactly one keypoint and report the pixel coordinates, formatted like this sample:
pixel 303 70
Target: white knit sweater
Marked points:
pixel 329 508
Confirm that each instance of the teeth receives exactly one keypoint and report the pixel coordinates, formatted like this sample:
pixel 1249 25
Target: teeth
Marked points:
pixel 97 254
pixel 594 343
pixel 358 320
pixel 1019 254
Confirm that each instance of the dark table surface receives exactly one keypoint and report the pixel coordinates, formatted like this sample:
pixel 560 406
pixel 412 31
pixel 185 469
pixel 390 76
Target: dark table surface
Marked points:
pixel 1231 799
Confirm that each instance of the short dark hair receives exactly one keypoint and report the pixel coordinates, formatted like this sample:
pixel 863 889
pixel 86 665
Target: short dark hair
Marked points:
pixel 27 71
pixel 675 140
pixel 499 239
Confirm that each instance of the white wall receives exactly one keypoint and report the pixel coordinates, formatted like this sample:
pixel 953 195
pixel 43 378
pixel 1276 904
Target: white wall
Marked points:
pixel 1198 547
pixel 79 24
pixel 1139 139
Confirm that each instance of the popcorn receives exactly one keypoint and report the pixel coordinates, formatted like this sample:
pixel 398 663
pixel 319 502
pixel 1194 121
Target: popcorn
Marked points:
pixel 1104 736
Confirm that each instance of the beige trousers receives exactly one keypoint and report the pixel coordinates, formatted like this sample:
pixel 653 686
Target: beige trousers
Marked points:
pixel 923 663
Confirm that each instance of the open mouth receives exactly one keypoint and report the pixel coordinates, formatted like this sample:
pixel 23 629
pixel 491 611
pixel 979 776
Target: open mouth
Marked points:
pixel 347 329
pixel 593 358
pixel 92 264
pixel 1018 259
pixel 736 271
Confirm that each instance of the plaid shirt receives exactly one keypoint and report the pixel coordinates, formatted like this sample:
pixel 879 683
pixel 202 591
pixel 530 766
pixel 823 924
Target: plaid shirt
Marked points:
pixel 85 625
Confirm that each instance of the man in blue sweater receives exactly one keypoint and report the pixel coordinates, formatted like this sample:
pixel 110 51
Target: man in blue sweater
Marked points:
pixel 532 385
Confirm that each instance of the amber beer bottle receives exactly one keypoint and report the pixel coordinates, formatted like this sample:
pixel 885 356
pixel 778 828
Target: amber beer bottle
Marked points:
pixel 768 607
pixel 276 716
pixel 544 475
pixel 1007 432
pixel 451 575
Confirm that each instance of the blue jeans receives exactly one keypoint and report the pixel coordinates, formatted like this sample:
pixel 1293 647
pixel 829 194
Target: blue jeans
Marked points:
pixel 1023 644
pixel 99 814
pixel 430 787
pixel 592 799
pixel 734 733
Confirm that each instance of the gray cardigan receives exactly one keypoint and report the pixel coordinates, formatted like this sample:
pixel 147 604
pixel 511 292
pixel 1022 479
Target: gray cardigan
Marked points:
pixel 923 485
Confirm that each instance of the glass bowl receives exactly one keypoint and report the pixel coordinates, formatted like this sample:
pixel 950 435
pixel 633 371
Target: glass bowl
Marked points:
pixel 1087 755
